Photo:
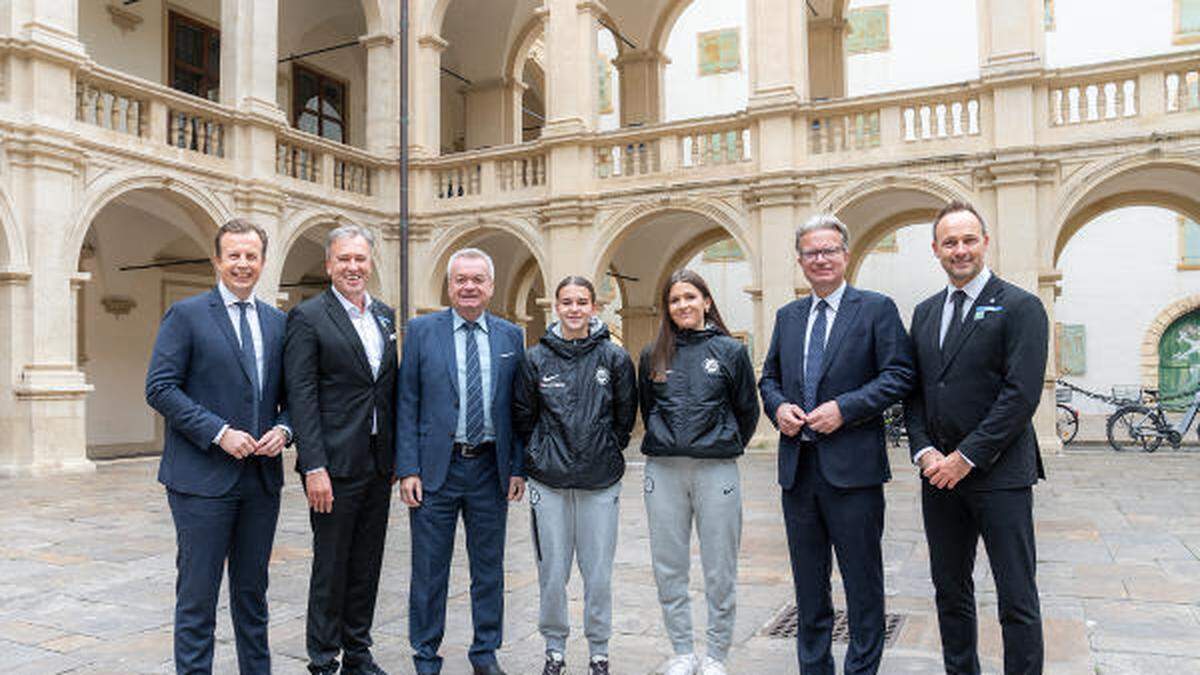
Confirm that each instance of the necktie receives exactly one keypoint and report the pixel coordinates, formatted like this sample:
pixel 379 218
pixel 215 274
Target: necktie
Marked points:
pixel 474 387
pixel 812 361
pixel 249 359
pixel 959 298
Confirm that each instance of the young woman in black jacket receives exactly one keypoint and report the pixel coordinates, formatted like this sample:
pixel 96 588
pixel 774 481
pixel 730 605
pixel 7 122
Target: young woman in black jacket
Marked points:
pixel 575 405
pixel 700 407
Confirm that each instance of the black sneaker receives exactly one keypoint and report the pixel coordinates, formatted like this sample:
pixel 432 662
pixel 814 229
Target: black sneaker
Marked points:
pixel 555 665
pixel 598 667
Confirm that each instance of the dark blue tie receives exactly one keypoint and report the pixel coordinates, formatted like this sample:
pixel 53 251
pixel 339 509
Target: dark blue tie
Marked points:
pixel 474 387
pixel 249 359
pixel 816 352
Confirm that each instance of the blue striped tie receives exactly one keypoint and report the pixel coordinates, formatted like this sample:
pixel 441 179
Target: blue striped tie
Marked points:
pixel 816 353
pixel 474 387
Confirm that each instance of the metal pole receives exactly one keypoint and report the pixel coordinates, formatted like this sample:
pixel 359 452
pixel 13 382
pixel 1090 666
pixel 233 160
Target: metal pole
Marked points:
pixel 405 296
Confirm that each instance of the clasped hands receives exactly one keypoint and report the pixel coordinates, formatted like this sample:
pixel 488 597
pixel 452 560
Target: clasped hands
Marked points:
pixel 411 491
pixel 944 471
pixel 825 418
pixel 240 445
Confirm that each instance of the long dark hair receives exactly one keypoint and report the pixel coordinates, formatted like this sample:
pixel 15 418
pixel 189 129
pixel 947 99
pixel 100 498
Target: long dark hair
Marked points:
pixel 663 350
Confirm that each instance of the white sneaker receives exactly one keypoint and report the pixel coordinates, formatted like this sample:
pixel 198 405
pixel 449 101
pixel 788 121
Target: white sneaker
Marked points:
pixel 712 666
pixel 683 664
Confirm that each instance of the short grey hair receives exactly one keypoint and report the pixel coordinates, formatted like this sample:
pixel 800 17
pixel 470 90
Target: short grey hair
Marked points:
pixel 475 253
pixel 347 231
pixel 824 221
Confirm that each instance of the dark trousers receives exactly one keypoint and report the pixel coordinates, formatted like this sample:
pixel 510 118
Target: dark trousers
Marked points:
pixel 238 526
pixel 347 556
pixel 954 521
pixel 472 489
pixel 818 516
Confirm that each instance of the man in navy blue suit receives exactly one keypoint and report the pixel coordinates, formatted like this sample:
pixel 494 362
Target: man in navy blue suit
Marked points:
pixel 456 454
pixel 215 377
pixel 837 360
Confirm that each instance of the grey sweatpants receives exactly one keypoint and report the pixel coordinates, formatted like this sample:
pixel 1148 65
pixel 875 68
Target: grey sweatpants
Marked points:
pixel 575 523
pixel 679 490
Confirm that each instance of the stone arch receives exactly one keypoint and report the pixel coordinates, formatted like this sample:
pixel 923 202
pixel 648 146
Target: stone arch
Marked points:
pixel 871 209
pixel 377 17
pixel 1133 180
pixel 13 257
pixel 615 229
pixel 665 23
pixel 301 225
pixel 518 53
pixel 1155 332
pixel 461 235
pixel 105 190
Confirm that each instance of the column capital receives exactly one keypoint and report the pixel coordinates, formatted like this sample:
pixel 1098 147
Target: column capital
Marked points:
pixel 631 56
pixel 433 41
pixel 260 198
pixel 592 7
pixel 567 213
pixel 780 190
pixel 637 311
pixel 375 40
pixel 1016 170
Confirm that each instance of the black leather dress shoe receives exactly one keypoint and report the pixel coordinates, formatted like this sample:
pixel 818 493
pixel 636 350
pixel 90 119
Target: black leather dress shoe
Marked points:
pixel 489 669
pixel 368 668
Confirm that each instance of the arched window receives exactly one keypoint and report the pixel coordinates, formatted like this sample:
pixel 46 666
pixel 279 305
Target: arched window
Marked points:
pixel 1179 356
pixel 319 104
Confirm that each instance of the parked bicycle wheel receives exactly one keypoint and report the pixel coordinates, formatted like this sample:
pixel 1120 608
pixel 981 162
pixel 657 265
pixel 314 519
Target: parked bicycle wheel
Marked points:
pixel 1132 427
pixel 1067 423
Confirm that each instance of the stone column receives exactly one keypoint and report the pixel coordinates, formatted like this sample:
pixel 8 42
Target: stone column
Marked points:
pixel 249 55
pixel 566 225
pixel 1045 420
pixel 383 94
pixel 1012 37
pixel 826 58
pixel 493 113
pixel 425 96
pixel 776 207
pixel 778 46
pixel 641 76
pixel 639 326
pixel 571 49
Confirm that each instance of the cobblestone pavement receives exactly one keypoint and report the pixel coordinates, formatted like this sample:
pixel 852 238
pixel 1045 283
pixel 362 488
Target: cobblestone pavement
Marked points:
pixel 87 578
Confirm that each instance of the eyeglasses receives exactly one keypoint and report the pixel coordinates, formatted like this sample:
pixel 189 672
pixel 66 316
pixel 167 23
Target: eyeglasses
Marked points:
pixel 810 255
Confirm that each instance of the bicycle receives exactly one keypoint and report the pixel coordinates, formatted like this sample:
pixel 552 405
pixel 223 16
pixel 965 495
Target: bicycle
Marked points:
pixel 1140 425
pixel 1066 421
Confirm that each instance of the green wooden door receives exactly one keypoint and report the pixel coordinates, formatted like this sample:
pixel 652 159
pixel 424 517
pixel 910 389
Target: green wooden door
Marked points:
pixel 1179 358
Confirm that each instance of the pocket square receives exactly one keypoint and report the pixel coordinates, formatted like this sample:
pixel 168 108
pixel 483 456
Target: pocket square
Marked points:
pixel 984 310
pixel 392 337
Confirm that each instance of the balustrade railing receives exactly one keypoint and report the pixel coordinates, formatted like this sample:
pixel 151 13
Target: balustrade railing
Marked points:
pixel 633 158
pixel 297 161
pixel 1100 100
pixel 519 173
pixel 109 108
pixel 351 176
pixel 714 148
pixel 459 181
pixel 940 119
pixel 1182 89
pixel 840 133
pixel 195 131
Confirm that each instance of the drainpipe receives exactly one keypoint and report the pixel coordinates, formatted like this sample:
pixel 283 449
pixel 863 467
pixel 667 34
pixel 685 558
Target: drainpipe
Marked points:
pixel 405 296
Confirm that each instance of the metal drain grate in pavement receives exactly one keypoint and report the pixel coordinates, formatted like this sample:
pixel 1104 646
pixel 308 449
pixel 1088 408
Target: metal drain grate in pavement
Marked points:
pixel 784 625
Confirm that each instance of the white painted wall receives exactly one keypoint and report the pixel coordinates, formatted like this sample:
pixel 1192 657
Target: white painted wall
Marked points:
pixel 727 280
pixel 143 50
pixel 1119 273
pixel 908 275
pixel 688 95
pixel 1090 31
pixel 930 42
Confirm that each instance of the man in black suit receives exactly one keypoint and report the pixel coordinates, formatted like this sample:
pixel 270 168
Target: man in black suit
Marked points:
pixel 216 377
pixel 340 365
pixel 837 360
pixel 981 356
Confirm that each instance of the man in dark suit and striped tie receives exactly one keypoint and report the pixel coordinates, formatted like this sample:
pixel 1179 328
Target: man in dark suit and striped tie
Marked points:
pixel 456 453
pixel 216 378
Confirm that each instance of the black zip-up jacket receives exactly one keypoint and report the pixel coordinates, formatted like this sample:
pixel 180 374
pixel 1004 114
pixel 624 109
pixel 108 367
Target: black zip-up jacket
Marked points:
pixel 708 407
pixel 575 404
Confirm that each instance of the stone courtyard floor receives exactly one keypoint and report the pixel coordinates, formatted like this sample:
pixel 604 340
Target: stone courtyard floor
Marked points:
pixel 87 577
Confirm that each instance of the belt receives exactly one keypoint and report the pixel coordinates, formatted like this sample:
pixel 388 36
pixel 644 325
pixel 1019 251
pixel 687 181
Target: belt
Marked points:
pixel 467 451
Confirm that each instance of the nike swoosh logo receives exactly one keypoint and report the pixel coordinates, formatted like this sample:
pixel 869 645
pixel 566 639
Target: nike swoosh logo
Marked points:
pixel 549 378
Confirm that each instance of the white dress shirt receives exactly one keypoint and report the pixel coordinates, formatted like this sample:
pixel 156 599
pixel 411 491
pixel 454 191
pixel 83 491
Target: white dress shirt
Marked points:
pixel 485 374
pixel 235 317
pixel 368 333
pixel 972 288
pixel 833 300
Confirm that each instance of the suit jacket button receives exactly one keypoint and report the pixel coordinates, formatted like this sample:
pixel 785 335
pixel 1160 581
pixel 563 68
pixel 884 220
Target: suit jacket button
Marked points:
pixel 941 385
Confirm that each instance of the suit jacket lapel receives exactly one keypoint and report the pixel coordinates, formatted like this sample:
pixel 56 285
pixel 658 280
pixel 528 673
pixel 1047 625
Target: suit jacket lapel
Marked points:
pixel 220 316
pixel 446 334
pixel 802 311
pixel 846 314
pixel 337 314
pixel 267 328
pixel 494 347
pixel 986 296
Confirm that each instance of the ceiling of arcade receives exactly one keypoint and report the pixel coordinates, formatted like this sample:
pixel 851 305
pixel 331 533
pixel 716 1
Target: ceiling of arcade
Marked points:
pixel 480 55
